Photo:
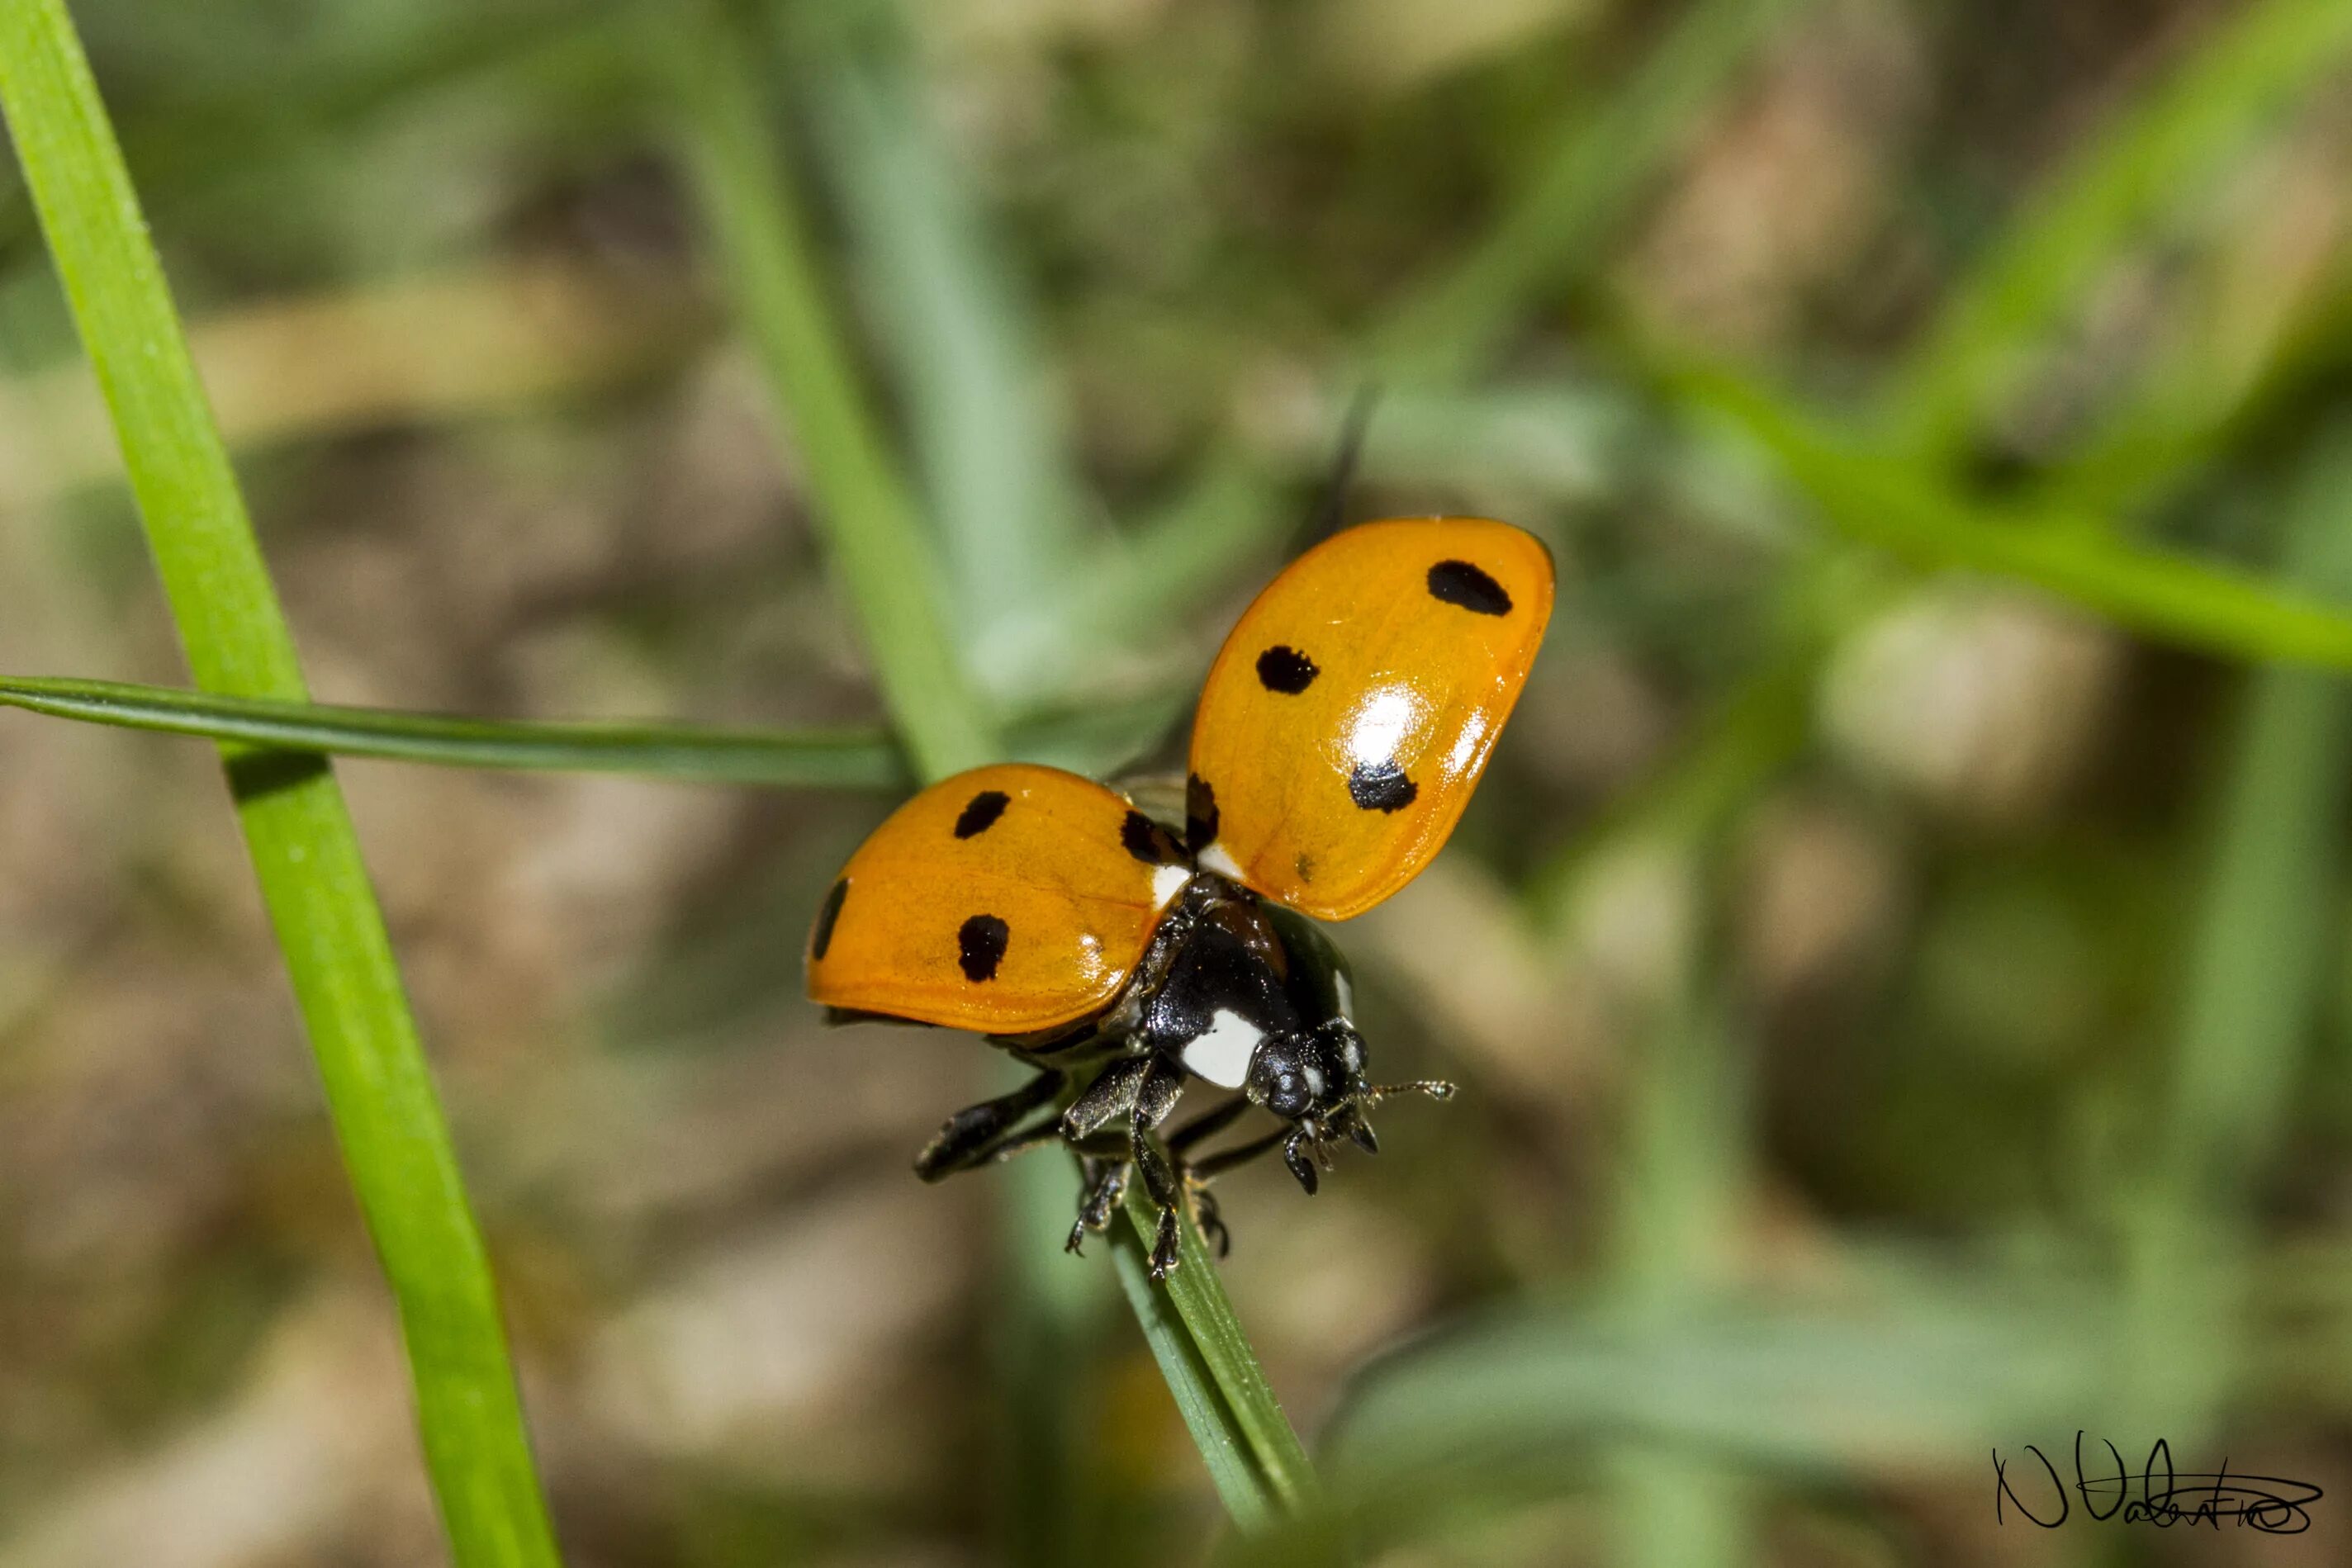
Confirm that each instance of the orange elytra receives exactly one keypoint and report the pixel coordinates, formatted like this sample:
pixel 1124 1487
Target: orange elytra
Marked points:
pixel 1349 714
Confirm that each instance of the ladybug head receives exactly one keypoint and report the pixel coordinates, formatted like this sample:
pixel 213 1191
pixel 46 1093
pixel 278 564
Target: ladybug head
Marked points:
pixel 1299 1077
pixel 1316 1081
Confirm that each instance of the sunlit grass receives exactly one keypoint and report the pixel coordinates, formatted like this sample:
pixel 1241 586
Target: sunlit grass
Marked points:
pixel 394 1138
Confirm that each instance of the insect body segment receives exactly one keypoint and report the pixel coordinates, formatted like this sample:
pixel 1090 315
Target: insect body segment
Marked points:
pixel 1342 729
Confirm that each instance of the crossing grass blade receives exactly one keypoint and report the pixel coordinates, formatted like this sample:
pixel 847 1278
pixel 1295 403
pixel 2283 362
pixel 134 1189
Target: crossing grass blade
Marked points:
pixel 873 537
pixel 1903 508
pixel 2253 63
pixel 394 1138
pixel 1946 1356
pixel 818 759
pixel 962 340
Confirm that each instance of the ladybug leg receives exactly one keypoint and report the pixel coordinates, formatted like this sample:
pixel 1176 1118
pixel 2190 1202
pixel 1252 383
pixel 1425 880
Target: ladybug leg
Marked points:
pixel 1036 1135
pixel 1107 1098
pixel 1197 1175
pixel 1106 1185
pixel 1155 1097
pixel 1167 1192
pixel 1207 1124
pixel 971 1134
pixel 1205 1216
pixel 1162 1086
pixel 1204 1171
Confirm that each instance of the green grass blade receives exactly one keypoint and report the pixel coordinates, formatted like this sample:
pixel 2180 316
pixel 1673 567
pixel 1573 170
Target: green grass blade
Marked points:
pixel 959 342
pixel 884 562
pixel 2252 66
pixel 2188 411
pixel 182 147
pixel 1140 586
pixel 1529 1399
pixel 878 548
pixel 2165 596
pixel 822 760
pixel 1601 158
pixel 1232 1466
pixel 1598 165
pixel 1255 1458
pixel 1944 1358
pixel 961 339
pixel 2258 963
pixel 2256 980
pixel 394 1139
pixel 1688 1167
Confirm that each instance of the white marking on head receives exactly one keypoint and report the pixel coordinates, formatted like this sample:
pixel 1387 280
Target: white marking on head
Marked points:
pixel 1216 858
pixel 1222 1054
pixel 1167 882
pixel 1314 1076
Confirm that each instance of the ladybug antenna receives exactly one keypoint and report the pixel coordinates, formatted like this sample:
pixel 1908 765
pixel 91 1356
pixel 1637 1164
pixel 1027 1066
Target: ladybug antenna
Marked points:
pixel 1331 512
pixel 1435 1088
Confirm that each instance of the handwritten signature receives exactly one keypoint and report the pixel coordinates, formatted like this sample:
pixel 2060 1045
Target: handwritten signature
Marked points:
pixel 2163 1497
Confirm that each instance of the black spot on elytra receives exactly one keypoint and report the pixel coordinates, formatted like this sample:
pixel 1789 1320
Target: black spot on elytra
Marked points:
pixel 826 918
pixel 1200 813
pixel 1147 841
pixel 1285 670
pixel 981 940
pixel 1380 787
pixel 980 813
pixel 1459 582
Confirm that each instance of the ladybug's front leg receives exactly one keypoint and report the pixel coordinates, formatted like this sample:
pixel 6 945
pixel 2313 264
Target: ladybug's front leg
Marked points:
pixel 1154 1099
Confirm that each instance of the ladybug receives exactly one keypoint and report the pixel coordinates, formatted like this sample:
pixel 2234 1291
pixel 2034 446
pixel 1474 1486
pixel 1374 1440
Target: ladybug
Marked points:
pixel 1341 733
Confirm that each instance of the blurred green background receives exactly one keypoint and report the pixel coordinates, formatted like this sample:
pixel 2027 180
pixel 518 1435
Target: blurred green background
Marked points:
pixel 1894 963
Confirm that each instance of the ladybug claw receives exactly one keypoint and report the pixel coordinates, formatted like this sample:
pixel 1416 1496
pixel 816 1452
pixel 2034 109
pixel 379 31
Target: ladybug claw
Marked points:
pixel 1165 1254
pixel 1213 1227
